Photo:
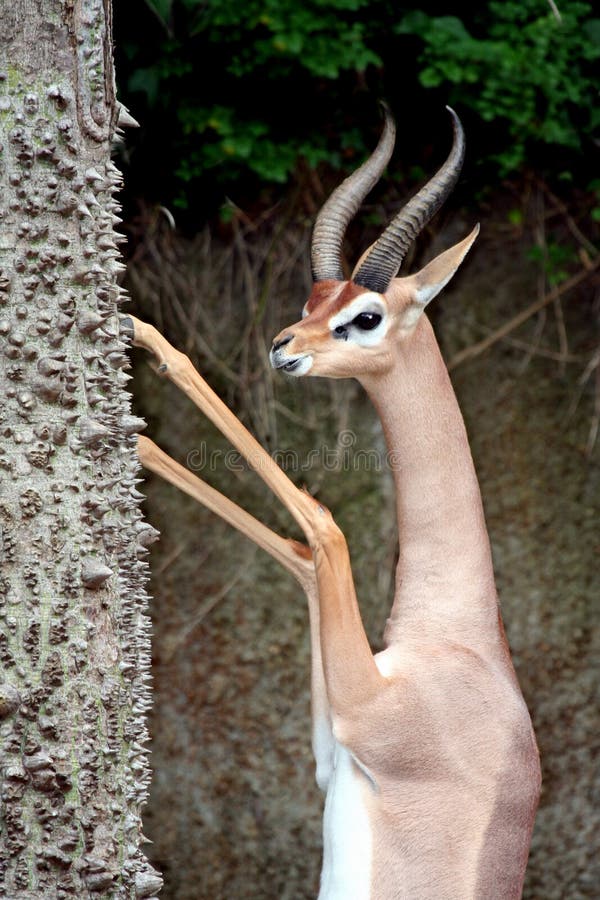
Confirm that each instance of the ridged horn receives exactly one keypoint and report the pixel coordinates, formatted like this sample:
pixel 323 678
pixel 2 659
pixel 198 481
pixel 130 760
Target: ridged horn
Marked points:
pixel 340 208
pixel 385 257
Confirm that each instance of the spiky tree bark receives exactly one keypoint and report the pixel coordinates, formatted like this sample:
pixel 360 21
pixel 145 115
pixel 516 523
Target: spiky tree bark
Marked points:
pixel 73 627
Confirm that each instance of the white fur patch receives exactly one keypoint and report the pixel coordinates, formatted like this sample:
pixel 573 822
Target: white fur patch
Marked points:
pixel 383 661
pixel 347 835
pixel 304 367
pixel 365 303
pixel 323 746
pixel 427 292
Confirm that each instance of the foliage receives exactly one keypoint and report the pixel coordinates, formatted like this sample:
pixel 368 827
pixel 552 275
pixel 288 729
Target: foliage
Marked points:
pixel 556 260
pixel 526 67
pixel 236 94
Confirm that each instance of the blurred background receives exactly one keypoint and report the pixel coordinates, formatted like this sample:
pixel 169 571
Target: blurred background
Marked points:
pixel 250 114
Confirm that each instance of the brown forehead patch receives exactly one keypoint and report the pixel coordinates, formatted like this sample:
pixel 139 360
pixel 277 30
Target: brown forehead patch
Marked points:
pixel 323 291
pixel 335 294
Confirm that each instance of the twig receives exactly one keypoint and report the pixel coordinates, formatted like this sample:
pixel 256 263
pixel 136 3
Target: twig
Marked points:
pixel 540 231
pixel 294 417
pixel 563 340
pixel 532 347
pixel 592 366
pixel 170 559
pixel 497 335
pixel 209 604
pixel 201 345
pixel 536 350
pixel 571 223
pixel 555 10
pixel 595 423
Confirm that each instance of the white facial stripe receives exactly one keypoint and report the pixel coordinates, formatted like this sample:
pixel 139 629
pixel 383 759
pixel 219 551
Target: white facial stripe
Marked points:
pixel 369 302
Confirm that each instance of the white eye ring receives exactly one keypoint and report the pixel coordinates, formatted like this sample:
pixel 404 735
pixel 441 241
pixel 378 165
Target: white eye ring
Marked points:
pixel 370 305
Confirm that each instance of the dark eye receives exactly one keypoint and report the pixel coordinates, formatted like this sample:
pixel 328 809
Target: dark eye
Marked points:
pixel 366 321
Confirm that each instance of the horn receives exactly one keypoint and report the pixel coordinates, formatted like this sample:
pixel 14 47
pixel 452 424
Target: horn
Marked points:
pixel 332 221
pixel 382 262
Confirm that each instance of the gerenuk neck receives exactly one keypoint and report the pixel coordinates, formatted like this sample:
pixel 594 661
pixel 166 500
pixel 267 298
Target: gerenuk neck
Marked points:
pixel 444 574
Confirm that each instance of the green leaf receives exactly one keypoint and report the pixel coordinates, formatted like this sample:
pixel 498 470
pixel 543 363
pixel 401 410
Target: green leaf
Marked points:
pixel 226 213
pixel 591 29
pixel 507 62
pixel 515 216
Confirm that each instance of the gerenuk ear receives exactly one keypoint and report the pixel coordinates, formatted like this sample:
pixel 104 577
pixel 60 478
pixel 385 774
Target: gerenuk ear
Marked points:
pixel 436 274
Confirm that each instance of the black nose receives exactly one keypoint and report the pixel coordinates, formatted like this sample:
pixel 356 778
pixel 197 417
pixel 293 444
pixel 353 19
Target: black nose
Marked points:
pixel 279 344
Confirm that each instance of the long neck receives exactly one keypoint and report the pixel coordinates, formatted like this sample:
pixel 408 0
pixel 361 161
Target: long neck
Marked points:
pixel 444 571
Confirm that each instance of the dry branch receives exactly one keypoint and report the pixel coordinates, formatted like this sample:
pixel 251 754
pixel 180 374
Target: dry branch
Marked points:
pixel 497 335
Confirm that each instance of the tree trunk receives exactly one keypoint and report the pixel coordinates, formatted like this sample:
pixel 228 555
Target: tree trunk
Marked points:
pixel 74 644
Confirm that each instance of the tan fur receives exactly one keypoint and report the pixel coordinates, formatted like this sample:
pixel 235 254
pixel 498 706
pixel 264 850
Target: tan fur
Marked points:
pixel 445 734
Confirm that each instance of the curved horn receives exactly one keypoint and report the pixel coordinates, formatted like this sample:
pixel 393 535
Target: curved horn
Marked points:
pixel 332 221
pixel 385 257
